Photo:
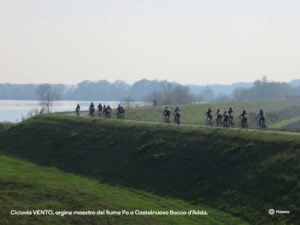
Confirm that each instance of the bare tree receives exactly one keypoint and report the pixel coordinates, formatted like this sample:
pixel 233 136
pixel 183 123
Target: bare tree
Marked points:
pixel 127 101
pixel 47 93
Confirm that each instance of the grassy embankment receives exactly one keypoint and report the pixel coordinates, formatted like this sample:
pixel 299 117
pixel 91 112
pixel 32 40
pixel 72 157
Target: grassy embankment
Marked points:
pixel 241 173
pixel 25 186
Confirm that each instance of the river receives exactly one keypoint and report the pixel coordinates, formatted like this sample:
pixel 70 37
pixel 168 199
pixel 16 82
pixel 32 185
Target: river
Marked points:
pixel 15 110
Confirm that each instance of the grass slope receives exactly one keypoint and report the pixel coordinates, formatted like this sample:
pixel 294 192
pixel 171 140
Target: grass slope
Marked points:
pixel 25 186
pixel 286 122
pixel 276 110
pixel 239 172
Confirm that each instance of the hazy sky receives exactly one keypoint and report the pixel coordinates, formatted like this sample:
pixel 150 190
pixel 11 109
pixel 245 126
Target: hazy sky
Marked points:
pixel 188 41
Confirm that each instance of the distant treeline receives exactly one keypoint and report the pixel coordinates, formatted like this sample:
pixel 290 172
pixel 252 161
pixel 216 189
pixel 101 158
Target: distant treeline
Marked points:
pixel 163 92
pixel 262 89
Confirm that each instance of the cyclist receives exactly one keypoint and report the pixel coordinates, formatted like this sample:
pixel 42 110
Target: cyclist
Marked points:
pixel 244 118
pixel 120 112
pixel 166 114
pixel 230 118
pixel 219 117
pixel 177 115
pixel 78 110
pixel 100 109
pixel 226 118
pixel 91 109
pixel 209 117
pixel 107 111
pixel 261 119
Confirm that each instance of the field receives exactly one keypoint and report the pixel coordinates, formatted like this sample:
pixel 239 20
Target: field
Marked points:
pixel 243 174
pixel 275 110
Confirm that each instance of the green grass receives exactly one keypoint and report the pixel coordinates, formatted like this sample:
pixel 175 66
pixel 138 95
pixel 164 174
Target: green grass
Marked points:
pixel 276 110
pixel 286 122
pixel 242 173
pixel 25 186
pixel 5 126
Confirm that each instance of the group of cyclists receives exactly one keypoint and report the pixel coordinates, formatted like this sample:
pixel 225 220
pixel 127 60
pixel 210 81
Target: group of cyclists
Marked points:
pixel 225 119
pixel 167 114
pixel 228 121
pixel 103 110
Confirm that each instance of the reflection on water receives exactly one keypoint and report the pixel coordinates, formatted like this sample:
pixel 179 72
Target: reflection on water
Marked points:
pixel 14 110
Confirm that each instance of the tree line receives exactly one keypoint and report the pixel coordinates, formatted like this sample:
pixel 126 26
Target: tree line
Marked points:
pixel 163 92
pixel 264 89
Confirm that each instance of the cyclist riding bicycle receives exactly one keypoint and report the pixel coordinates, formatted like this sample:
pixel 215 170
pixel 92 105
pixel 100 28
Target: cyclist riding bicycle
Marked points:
pixel 78 109
pixel 226 118
pixel 91 109
pixel 244 118
pixel 219 117
pixel 209 117
pixel 230 118
pixel 261 119
pixel 120 112
pixel 107 111
pixel 177 115
pixel 100 109
pixel 166 114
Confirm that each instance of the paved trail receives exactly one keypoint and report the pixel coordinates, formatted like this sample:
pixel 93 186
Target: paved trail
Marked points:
pixel 85 114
